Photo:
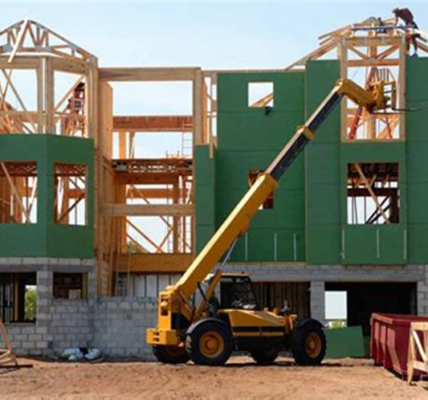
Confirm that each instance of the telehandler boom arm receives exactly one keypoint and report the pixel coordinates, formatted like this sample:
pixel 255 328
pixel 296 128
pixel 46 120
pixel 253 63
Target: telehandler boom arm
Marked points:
pixel 372 99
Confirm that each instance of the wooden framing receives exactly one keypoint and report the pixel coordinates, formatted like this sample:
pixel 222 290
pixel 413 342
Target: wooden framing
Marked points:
pixel 18 192
pixel 130 190
pixel 373 193
pixel 418 350
pixel 145 188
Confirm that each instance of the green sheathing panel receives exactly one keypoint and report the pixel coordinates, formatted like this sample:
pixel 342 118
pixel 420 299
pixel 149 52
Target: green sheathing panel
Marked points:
pixel 204 196
pixel 46 238
pixel 417 158
pixel 374 244
pixel 249 139
pixel 70 240
pixel 322 169
pixel 345 342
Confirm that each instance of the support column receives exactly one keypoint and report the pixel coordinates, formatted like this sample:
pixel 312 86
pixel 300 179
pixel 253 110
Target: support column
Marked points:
pixel 317 296
pixel 422 294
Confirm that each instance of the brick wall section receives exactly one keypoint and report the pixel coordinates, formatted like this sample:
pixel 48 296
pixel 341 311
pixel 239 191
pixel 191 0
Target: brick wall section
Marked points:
pixel 120 326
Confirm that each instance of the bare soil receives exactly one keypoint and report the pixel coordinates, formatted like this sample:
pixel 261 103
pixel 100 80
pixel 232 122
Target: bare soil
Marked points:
pixel 239 379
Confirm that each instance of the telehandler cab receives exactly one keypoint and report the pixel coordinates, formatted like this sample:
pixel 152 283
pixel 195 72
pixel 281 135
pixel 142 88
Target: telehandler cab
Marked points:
pixel 207 329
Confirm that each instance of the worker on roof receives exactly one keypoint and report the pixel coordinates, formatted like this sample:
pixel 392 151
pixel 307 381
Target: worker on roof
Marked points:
pixel 409 20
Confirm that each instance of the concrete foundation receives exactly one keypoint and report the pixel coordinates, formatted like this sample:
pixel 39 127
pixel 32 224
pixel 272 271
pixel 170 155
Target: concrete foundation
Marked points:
pixel 117 325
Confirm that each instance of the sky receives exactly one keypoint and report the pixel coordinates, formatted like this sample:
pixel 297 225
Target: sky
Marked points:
pixel 208 34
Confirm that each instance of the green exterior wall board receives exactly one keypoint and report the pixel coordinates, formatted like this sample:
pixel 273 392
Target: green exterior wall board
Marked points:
pixel 323 244
pixel 327 197
pixel 416 79
pixel 204 166
pixel 243 131
pixel 233 167
pixel 417 243
pixel 322 169
pixel 417 158
pixel 374 244
pixel 205 205
pixel 310 204
pixel 249 139
pixel 323 166
pixel 417 162
pixel 374 152
pixel 232 91
pixel 203 235
pixel 46 238
pixel 417 122
pixel 418 197
pixel 321 76
pixel 279 216
pixel 345 342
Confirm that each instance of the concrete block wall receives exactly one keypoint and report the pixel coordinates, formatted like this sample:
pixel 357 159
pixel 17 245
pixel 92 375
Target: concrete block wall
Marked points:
pixel 317 275
pixel 60 323
pixel 117 325
pixel 120 325
pixel 71 324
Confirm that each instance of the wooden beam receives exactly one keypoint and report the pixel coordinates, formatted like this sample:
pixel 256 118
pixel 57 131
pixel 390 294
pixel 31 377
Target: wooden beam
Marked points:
pixel 146 210
pixel 19 40
pixel 21 62
pixel 151 193
pixel 155 263
pixel 198 109
pixel 373 63
pixel 147 74
pixel 372 194
pixel 182 123
pixel 149 178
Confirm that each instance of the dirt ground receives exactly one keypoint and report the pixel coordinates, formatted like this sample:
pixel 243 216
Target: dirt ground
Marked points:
pixel 239 379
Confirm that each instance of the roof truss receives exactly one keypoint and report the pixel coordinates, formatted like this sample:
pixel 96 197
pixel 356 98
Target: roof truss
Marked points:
pixel 29 37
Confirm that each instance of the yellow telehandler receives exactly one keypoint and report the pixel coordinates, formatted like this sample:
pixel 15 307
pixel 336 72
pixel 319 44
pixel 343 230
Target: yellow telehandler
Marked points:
pixel 194 324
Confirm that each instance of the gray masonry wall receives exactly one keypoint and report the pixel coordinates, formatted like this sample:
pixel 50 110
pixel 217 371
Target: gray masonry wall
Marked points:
pixel 317 275
pixel 117 325
pixel 121 323
pixel 60 323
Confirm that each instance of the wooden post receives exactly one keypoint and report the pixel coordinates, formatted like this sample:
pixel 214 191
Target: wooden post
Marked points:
pixel 417 350
pixel 49 96
pixel 6 355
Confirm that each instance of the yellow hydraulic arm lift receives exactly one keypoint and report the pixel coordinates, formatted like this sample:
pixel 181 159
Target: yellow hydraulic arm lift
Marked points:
pixel 194 324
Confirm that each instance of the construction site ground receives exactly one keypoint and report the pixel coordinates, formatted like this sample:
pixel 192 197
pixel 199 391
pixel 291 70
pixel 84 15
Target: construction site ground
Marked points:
pixel 239 379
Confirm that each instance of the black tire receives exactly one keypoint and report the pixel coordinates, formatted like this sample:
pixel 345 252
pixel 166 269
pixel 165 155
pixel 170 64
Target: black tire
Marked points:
pixel 265 357
pixel 209 343
pixel 170 354
pixel 308 343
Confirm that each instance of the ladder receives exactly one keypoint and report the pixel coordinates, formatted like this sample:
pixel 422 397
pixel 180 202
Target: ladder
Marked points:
pixel 123 286
pixel 187 144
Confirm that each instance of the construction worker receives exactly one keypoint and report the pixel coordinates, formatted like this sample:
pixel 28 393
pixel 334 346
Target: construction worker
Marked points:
pixel 409 20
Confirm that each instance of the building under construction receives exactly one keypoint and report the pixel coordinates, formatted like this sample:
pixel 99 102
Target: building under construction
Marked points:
pixel 96 230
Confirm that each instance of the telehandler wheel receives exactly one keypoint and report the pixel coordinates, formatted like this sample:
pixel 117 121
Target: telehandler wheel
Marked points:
pixel 308 343
pixel 265 357
pixel 170 354
pixel 209 343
